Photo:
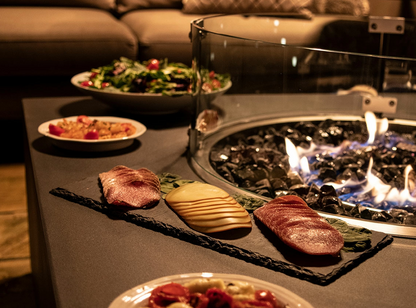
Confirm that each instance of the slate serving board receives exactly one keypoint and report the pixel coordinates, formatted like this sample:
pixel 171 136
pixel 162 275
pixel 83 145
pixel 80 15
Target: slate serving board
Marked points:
pixel 257 245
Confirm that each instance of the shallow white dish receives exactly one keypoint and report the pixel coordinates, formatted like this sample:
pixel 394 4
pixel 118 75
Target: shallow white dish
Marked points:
pixel 138 296
pixel 141 103
pixel 93 145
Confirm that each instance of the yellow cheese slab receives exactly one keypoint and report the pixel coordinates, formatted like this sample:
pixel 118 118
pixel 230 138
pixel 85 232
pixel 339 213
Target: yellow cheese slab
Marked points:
pixel 219 221
pixel 207 208
pixel 219 204
pixel 213 210
pixel 211 204
pixel 214 216
pixel 199 203
pixel 195 192
pixel 220 228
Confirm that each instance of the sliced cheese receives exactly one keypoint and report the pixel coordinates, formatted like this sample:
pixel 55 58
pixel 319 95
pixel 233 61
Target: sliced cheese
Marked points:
pixel 204 202
pixel 218 222
pixel 218 204
pixel 215 216
pixel 220 228
pixel 221 210
pixel 207 208
pixel 195 192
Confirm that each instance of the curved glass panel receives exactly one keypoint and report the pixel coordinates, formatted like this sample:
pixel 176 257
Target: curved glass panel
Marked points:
pixel 284 68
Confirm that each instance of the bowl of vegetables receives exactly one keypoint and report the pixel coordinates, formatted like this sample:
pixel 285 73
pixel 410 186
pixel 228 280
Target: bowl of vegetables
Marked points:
pixel 148 87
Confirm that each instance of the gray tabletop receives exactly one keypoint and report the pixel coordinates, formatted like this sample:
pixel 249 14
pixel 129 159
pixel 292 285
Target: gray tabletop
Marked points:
pixel 91 259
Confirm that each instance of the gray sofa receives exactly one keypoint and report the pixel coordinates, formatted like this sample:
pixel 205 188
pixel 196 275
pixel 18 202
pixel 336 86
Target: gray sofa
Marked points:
pixel 41 47
pixel 43 43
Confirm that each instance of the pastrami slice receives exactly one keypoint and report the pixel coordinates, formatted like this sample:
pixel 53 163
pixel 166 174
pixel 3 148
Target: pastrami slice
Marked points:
pixel 300 227
pixel 125 186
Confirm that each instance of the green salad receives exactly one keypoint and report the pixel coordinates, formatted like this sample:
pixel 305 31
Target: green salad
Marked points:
pixel 152 76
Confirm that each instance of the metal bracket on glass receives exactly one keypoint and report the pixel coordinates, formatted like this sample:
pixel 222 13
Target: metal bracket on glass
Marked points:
pixel 379 104
pixel 385 24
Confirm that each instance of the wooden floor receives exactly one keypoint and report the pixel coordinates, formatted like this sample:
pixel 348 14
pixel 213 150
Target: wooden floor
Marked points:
pixel 16 284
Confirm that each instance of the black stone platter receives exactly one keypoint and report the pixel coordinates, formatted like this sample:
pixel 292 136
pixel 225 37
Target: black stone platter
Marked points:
pixel 257 245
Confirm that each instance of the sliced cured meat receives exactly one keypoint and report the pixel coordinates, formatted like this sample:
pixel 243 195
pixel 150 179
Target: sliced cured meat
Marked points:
pixel 125 186
pixel 300 227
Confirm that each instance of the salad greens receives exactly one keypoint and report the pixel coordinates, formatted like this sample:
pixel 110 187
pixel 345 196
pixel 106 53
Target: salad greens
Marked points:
pixel 152 76
pixel 170 181
pixel 355 238
pixel 249 203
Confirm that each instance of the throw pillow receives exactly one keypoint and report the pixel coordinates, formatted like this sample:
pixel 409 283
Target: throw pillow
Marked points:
pixel 346 7
pixel 244 6
pixel 100 4
pixel 124 6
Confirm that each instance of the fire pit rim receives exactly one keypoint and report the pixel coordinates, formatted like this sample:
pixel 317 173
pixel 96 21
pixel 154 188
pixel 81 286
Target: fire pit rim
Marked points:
pixel 207 173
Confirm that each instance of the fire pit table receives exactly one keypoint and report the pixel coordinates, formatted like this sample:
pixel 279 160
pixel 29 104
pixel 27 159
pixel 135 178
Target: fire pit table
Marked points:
pixel 84 258
pixel 345 107
pixel 86 254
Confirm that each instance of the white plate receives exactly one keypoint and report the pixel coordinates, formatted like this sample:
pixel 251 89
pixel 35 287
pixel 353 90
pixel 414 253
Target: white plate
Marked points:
pixel 93 145
pixel 141 103
pixel 138 296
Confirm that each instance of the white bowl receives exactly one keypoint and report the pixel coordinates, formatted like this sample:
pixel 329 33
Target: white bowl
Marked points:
pixel 141 103
pixel 88 145
pixel 138 296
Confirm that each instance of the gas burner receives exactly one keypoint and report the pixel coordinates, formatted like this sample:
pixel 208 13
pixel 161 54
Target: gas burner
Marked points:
pixel 339 166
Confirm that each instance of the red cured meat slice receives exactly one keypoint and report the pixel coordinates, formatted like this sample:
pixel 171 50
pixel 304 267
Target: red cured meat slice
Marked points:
pixel 129 187
pixel 300 227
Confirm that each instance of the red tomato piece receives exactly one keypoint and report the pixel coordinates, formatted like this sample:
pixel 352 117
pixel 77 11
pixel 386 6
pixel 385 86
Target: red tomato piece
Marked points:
pixel 55 130
pixel 126 126
pixel 219 299
pixel 93 75
pixel 87 83
pixel 153 64
pixel 199 300
pixel 167 294
pixel 267 296
pixel 211 74
pixel 216 84
pixel 92 135
pixel 84 119
pixel 105 85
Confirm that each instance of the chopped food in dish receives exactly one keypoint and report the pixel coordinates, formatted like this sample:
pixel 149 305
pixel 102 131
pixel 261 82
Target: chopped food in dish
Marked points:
pixel 87 128
pixel 129 187
pixel 152 76
pixel 207 208
pixel 300 227
pixel 212 293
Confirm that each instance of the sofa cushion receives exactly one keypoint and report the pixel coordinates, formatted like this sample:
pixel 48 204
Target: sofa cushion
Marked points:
pixel 124 6
pixel 346 7
pixel 60 41
pixel 244 6
pixel 162 33
pixel 100 4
